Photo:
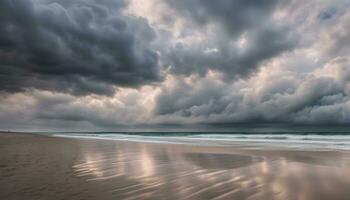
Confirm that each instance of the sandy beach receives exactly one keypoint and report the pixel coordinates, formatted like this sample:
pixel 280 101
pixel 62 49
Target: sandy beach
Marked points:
pixel 34 167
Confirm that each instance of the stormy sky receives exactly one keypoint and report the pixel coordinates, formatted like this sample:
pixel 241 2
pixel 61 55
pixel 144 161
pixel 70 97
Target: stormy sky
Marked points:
pixel 100 64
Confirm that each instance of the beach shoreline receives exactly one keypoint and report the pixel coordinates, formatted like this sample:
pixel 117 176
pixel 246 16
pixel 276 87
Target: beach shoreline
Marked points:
pixel 44 167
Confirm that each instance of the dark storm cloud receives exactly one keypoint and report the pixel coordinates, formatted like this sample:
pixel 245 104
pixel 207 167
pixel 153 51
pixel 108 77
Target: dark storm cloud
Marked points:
pixel 204 93
pixel 235 16
pixel 203 61
pixel 280 97
pixel 80 47
pixel 327 13
pixel 231 21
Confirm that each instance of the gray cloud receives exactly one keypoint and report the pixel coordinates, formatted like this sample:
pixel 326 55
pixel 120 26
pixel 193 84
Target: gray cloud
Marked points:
pixel 280 96
pixel 79 47
pixel 89 64
pixel 42 110
pixel 321 97
pixel 226 23
pixel 234 16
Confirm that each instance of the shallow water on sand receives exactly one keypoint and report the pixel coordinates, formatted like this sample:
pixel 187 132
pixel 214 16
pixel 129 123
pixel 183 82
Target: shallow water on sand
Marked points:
pixel 49 168
pixel 157 171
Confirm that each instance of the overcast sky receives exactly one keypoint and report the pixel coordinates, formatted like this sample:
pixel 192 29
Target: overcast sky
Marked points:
pixel 99 64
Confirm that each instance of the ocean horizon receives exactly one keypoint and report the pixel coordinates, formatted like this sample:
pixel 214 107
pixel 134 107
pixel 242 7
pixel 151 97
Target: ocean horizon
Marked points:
pixel 303 138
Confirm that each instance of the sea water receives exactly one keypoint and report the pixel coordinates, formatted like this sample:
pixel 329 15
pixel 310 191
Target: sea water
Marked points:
pixel 290 140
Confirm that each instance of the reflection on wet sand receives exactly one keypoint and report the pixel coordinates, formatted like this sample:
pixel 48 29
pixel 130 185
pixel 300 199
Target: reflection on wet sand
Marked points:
pixel 155 171
pixel 219 161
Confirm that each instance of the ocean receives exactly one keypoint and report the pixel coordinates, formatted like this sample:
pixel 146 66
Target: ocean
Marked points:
pixel 299 139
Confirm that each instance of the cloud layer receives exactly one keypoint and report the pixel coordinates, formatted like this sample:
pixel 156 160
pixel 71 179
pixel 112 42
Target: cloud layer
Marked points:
pixel 79 47
pixel 89 64
pixel 270 96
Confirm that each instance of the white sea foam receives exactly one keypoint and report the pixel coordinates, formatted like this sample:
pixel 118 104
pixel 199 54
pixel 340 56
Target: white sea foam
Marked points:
pixel 293 141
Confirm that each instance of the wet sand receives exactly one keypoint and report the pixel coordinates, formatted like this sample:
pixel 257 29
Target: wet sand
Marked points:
pixel 41 167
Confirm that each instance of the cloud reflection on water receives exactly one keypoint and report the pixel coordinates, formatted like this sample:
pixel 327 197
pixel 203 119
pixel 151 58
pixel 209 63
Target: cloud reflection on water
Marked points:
pixel 155 171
